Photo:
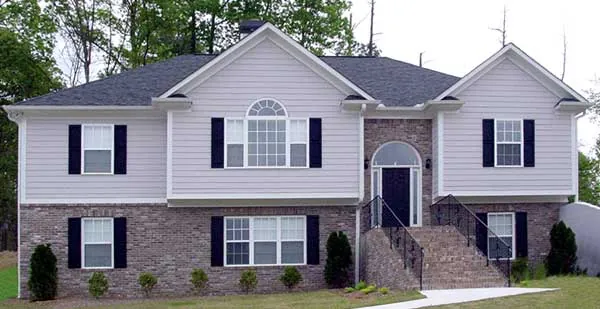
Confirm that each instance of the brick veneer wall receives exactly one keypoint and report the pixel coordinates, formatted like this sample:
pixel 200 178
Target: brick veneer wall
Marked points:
pixel 540 218
pixel 416 132
pixel 168 242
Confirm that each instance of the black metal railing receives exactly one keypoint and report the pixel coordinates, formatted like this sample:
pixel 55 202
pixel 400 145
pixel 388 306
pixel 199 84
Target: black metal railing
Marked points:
pixel 450 211
pixel 400 237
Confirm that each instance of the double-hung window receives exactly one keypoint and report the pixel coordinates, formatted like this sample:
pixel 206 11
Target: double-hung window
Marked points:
pixel 97 150
pixel 266 137
pixel 509 143
pixel 97 236
pixel 265 240
pixel 503 225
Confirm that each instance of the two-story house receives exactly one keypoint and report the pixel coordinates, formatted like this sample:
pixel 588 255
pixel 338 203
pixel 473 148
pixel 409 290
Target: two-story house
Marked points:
pixel 251 158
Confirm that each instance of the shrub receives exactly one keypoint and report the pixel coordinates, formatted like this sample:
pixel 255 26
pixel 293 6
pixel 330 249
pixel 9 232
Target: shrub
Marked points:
pixel 147 282
pixel 539 272
pixel 98 284
pixel 370 289
pixel 43 278
pixel 291 277
pixel 384 291
pixel 563 250
pixel 349 289
pixel 519 270
pixel 199 279
pixel 339 259
pixel 248 280
pixel 361 285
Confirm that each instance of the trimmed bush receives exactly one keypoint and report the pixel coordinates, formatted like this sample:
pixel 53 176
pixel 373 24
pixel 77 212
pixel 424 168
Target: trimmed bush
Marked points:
pixel 98 284
pixel 291 277
pixel 147 281
pixel 199 279
pixel 562 258
pixel 349 289
pixel 339 260
pixel 384 291
pixel 248 280
pixel 519 270
pixel 370 289
pixel 361 285
pixel 43 277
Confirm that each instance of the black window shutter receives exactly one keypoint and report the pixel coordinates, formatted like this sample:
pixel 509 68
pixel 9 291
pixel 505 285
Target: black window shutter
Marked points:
pixel 217 142
pixel 120 149
pixel 529 143
pixel 120 238
pixel 488 142
pixel 521 231
pixel 216 241
pixel 75 149
pixel 312 240
pixel 481 233
pixel 315 147
pixel 74 243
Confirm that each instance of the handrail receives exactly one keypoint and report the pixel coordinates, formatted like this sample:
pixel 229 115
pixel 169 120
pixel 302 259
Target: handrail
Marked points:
pixel 451 200
pixel 400 237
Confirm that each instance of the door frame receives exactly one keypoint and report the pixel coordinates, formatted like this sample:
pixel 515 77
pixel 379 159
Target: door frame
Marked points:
pixel 415 172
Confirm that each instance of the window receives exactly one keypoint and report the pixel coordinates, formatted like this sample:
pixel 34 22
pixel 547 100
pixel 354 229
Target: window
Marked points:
pixel 97 150
pixel 509 143
pixel 266 138
pixel 503 225
pixel 265 240
pixel 97 251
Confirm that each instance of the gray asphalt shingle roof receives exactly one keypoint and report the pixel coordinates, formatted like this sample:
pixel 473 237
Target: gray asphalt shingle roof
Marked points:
pixel 393 82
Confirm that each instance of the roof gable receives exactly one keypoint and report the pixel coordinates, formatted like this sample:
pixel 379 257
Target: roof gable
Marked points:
pixel 524 62
pixel 267 32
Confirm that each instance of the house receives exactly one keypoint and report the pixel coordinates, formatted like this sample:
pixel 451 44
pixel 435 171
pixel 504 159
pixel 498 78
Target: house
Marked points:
pixel 252 157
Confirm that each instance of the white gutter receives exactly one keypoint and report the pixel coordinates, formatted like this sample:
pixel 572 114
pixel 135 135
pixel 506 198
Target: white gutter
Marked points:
pixel 23 108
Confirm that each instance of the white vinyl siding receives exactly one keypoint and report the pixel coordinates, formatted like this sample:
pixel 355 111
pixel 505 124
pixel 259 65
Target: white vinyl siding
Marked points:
pixel 265 240
pixel 507 92
pixel 47 177
pixel 266 71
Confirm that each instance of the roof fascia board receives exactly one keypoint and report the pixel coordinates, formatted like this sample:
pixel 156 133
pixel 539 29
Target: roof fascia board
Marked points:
pixel 498 57
pixel 24 108
pixel 254 39
pixel 172 103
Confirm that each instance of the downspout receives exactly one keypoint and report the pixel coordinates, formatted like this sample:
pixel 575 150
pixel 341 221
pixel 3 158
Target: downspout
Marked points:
pixel 17 117
pixel 361 190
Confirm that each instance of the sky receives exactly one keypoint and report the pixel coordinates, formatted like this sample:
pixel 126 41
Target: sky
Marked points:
pixel 455 37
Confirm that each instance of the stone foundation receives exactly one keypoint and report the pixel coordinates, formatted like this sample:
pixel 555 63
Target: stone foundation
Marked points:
pixel 168 242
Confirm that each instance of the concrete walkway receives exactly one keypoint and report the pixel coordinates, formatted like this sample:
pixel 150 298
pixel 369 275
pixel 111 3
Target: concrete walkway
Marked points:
pixel 445 297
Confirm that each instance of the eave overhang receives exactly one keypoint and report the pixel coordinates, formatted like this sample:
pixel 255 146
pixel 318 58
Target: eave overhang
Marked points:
pixel 173 103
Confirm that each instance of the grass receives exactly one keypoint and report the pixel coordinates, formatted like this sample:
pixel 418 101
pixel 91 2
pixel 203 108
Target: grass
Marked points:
pixel 8 275
pixel 575 292
pixel 335 299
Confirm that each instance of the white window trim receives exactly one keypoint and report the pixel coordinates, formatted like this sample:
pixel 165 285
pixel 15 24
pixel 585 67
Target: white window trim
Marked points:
pixel 251 241
pixel 506 143
pixel 112 243
pixel 514 236
pixel 112 148
pixel 287 142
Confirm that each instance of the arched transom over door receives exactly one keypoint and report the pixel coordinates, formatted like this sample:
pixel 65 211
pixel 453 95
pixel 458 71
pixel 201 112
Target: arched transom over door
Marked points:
pixel 396 177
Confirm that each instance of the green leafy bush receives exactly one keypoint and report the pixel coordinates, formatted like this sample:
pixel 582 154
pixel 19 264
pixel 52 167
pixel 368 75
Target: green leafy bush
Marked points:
pixel 43 277
pixel 360 285
pixel 349 289
pixel 248 280
pixel 98 284
pixel 147 281
pixel 519 270
pixel 539 272
pixel 291 277
pixel 370 289
pixel 339 260
pixel 384 291
pixel 562 258
pixel 199 279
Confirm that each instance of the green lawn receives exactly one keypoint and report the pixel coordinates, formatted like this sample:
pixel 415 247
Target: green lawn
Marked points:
pixel 310 300
pixel 575 292
pixel 8 282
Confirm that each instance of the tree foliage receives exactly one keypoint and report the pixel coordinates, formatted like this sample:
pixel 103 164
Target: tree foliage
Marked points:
pixel 339 260
pixel 562 258
pixel 43 274
pixel 589 178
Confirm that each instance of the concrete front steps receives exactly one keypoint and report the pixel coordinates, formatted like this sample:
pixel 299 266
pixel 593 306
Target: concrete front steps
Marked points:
pixel 450 264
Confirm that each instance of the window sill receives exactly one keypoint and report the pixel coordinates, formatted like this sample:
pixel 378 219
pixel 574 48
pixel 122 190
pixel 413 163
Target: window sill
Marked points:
pixel 97 174
pixel 97 268
pixel 264 265
pixel 266 168
pixel 508 166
